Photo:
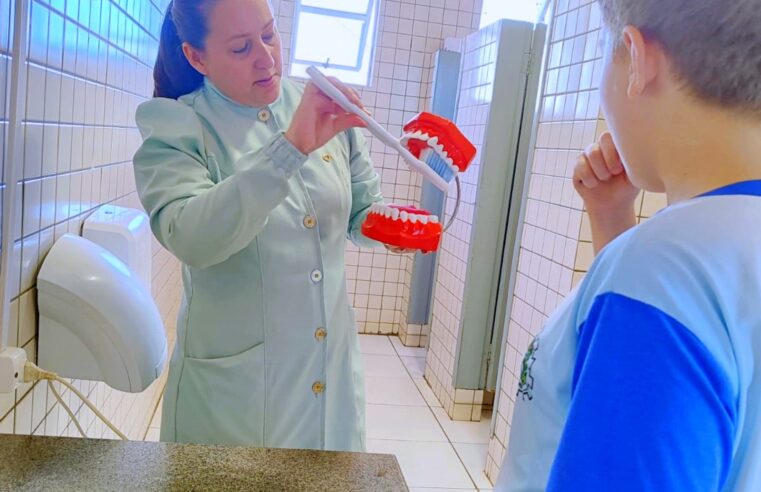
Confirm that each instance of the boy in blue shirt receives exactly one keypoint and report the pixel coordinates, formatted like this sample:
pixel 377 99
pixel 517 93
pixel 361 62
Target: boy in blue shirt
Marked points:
pixel 649 375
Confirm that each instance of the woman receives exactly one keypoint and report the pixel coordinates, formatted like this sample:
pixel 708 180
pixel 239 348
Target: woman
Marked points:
pixel 254 184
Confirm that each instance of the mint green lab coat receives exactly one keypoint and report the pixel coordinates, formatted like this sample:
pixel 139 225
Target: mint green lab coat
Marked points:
pixel 267 351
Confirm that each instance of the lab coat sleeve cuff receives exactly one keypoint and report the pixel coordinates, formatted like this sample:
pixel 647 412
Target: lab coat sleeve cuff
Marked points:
pixel 285 155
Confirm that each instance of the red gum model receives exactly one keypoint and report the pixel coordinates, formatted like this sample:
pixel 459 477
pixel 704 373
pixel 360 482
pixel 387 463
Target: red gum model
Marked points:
pixel 427 130
pixel 403 227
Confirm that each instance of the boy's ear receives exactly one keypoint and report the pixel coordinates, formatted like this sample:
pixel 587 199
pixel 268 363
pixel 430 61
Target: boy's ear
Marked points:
pixel 644 60
pixel 195 58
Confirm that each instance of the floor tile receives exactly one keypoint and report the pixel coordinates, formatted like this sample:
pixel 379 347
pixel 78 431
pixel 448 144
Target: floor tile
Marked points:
pixel 384 366
pixel 415 366
pixel 407 351
pixel 464 432
pixel 428 394
pixel 400 423
pixel 426 464
pixel 392 391
pixel 376 344
pixel 473 457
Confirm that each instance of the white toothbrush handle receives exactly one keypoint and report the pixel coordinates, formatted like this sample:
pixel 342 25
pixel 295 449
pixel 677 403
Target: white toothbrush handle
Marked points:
pixel 326 86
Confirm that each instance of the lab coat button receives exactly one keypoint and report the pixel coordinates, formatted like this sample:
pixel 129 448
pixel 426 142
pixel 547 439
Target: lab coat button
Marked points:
pixel 327 158
pixel 318 388
pixel 316 276
pixel 264 115
pixel 320 334
pixel 309 222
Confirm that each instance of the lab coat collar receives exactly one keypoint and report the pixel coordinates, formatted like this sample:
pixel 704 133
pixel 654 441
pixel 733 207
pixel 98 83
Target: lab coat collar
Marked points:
pixel 214 90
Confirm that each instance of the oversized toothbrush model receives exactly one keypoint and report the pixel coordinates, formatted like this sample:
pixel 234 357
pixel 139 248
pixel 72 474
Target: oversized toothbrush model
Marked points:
pixel 432 146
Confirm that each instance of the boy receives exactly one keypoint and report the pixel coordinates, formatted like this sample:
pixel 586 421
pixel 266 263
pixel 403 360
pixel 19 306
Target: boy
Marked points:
pixel 649 375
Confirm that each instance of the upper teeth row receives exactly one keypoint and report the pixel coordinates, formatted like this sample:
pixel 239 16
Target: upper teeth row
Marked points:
pixel 396 214
pixel 433 142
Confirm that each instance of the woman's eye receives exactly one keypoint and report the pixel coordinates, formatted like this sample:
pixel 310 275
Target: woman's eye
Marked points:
pixel 243 49
pixel 267 38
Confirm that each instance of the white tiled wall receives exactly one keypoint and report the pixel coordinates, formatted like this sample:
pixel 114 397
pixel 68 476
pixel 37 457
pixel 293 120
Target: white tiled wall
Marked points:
pixel 555 247
pixel 410 31
pixel 479 55
pixel 567 123
pixel 89 64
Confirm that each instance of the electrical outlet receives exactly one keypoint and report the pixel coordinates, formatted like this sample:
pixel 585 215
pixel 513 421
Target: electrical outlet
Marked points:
pixel 12 360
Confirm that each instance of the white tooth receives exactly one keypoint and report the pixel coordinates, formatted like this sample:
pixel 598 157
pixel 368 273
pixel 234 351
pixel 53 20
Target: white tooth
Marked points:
pixel 404 216
pixel 395 213
pixel 424 219
pixel 413 218
pixel 433 141
pixel 388 213
pixel 434 219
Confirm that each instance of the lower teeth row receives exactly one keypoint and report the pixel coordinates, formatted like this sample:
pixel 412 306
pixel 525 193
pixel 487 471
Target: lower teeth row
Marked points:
pixel 396 214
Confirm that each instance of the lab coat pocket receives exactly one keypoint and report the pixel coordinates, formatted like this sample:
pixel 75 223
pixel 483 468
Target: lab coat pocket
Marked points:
pixel 221 400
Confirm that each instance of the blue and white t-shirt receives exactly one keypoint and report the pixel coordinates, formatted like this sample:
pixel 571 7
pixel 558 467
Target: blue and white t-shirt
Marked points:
pixel 648 377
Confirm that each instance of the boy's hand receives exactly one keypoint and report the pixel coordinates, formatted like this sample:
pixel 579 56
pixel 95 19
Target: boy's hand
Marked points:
pixel 601 180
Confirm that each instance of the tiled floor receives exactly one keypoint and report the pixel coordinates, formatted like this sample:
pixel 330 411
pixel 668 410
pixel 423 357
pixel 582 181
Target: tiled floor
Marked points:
pixel 405 419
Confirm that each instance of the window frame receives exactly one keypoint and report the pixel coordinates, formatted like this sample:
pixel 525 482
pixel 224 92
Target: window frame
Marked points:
pixel 373 10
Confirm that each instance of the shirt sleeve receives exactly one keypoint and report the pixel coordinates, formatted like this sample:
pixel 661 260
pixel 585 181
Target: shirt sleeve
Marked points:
pixel 651 408
pixel 201 222
pixel 365 188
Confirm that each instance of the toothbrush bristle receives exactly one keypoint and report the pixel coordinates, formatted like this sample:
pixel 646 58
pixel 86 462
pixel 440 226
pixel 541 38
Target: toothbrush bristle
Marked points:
pixel 440 167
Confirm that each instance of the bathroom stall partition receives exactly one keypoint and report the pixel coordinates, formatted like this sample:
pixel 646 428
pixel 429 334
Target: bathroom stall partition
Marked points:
pixel 498 82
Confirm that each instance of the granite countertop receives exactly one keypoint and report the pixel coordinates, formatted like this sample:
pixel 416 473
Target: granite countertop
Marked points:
pixel 58 463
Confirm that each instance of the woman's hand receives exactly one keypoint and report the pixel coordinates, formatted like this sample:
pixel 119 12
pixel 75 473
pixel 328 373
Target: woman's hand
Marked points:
pixel 602 182
pixel 318 118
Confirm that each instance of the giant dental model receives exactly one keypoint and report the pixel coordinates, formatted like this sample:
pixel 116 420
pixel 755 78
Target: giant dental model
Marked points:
pixel 432 146
pixel 439 143
pixel 404 227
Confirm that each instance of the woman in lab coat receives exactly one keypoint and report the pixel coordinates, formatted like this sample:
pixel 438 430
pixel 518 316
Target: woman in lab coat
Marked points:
pixel 254 183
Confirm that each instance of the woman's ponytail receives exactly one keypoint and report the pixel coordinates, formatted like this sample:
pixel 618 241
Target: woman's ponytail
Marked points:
pixel 173 75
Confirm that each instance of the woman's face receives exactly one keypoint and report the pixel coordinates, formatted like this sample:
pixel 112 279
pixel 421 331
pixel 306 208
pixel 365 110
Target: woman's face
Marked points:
pixel 242 56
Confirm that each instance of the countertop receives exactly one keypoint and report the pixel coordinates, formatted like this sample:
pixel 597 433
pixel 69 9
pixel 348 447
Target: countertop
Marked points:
pixel 57 463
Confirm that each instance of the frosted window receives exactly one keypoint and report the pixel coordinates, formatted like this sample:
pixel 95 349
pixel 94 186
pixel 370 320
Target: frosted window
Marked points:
pixel 336 35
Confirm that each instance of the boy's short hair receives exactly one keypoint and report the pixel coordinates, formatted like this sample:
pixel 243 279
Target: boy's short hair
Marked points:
pixel 714 45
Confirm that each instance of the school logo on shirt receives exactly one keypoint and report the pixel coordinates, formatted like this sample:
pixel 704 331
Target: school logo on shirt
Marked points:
pixel 526 386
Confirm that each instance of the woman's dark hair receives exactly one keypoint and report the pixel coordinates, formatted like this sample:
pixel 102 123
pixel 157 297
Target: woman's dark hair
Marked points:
pixel 184 22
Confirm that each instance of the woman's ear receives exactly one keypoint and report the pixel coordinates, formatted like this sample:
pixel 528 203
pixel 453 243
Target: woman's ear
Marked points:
pixel 195 57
